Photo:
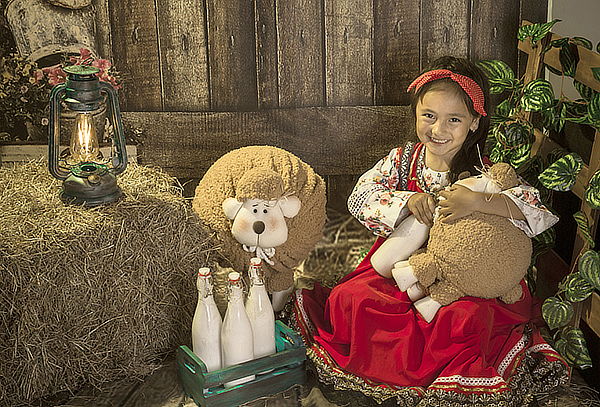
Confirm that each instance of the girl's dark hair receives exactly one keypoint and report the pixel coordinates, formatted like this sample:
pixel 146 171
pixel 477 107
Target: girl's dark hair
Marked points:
pixel 468 156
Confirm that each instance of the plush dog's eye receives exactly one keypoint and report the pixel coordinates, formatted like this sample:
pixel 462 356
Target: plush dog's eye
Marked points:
pixel 255 210
pixel 265 211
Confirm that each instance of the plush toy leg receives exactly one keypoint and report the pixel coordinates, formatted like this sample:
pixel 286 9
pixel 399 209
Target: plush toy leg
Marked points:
pixel 427 307
pixel 425 268
pixel 280 298
pixel 416 292
pixel 445 292
pixel 404 275
pixel 408 236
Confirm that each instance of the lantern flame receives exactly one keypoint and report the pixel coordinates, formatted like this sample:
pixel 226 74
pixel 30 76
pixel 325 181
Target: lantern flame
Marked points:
pixel 84 142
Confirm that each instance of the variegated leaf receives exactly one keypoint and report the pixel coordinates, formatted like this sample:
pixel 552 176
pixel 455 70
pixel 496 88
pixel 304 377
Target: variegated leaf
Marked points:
pixel 535 31
pixel 575 351
pixel 585 91
pixel 561 345
pixel 500 76
pixel 495 69
pixel 497 153
pixel 593 109
pixel 519 155
pixel 575 108
pixel 584 228
pixel 562 174
pixel 514 134
pixel 504 108
pixel 577 288
pixel 556 312
pixel 592 192
pixel 544 241
pixel 537 95
pixel 584 42
pixel 589 267
pixel 569 58
pixel 553 117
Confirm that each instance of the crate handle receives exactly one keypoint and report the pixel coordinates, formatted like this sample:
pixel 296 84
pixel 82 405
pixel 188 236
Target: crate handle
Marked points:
pixel 189 367
pixel 191 362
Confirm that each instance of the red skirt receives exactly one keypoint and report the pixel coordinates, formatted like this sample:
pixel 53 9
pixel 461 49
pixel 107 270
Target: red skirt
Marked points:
pixel 366 335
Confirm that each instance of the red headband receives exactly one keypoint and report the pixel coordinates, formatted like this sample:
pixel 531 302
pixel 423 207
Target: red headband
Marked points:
pixel 470 87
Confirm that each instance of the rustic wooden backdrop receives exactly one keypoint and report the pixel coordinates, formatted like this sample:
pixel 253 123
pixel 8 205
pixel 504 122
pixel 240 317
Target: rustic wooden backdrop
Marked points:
pixel 324 79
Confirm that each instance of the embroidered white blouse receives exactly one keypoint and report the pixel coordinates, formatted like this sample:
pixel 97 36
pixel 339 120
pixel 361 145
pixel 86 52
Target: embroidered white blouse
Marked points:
pixel 379 205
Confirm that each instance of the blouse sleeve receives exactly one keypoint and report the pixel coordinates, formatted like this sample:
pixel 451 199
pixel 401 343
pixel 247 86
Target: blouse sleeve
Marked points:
pixel 538 217
pixel 375 202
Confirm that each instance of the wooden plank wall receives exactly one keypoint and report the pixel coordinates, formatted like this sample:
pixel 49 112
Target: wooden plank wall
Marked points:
pixel 254 55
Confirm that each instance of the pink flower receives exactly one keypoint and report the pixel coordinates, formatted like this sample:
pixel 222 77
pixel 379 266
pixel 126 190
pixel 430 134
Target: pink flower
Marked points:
pixel 85 53
pixel 371 223
pixel 56 75
pixel 530 198
pixel 102 64
pixel 393 180
pixel 38 75
pixel 105 77
pixel 84 57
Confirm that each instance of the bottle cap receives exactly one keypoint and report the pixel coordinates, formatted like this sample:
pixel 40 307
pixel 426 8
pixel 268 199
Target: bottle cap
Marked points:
pixel 255 261
pixel 234 276
pixel 203 272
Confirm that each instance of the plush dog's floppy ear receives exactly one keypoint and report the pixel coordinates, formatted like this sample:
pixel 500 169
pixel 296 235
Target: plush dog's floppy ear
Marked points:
pixel 290 206
pixel 231 207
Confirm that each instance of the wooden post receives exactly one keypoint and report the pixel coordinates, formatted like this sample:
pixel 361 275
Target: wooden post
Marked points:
pixel 589 310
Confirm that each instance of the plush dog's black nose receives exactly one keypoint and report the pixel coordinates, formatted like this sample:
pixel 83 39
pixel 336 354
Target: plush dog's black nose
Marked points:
pixel 258 227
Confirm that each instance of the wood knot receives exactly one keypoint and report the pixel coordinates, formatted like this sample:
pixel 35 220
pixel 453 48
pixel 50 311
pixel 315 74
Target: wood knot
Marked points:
pixel 135 35
pixel 185 43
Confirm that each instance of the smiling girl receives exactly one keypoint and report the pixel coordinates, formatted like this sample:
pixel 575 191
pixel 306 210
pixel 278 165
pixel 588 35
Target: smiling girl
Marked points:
pixel 366 335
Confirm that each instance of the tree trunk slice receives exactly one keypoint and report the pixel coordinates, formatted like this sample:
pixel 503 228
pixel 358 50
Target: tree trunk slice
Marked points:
pixel 43 30
pixel 72 4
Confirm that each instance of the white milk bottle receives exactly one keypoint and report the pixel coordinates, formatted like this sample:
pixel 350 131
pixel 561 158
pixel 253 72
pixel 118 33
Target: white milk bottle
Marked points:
pixel 260 312
pixel 236 332
pixel 206 325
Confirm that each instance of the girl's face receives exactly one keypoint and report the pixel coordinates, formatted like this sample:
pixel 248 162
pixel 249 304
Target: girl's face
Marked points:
pixel 443 122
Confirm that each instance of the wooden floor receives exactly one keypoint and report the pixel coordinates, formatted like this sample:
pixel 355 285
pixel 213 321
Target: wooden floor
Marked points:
pixel 162 389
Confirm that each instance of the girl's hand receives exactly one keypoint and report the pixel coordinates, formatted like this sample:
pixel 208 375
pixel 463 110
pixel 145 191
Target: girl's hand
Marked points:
pixel 460 202
pixel 422 206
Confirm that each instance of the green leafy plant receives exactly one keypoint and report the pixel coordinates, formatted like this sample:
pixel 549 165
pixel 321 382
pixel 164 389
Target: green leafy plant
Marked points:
pixel 511 140
pixel 536 32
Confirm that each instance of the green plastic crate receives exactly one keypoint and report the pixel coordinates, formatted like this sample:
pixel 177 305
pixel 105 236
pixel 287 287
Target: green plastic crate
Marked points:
pixel 287 362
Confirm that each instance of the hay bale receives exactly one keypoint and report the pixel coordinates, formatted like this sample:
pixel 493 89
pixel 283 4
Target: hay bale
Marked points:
pixel 92 295
pixel 344 244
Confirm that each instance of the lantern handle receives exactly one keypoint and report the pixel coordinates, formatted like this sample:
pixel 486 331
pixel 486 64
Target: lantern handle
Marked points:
pixel 54 130
pixel 120 166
